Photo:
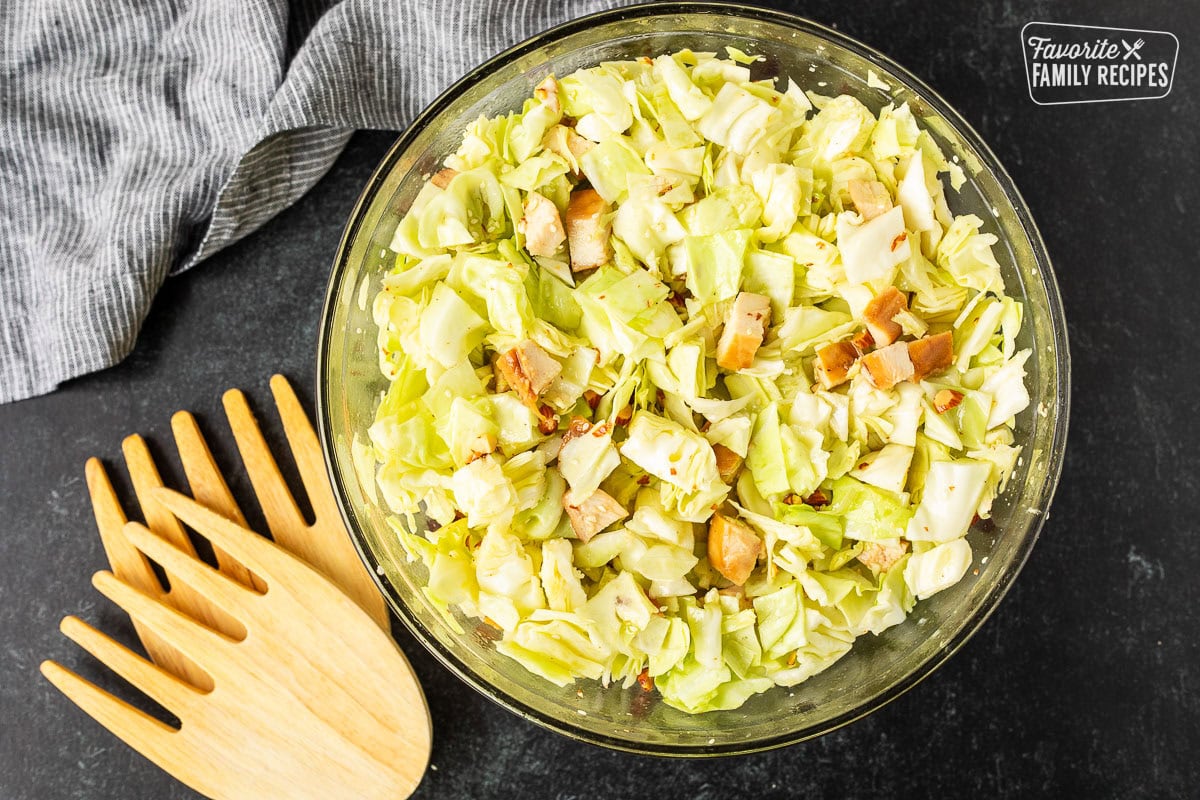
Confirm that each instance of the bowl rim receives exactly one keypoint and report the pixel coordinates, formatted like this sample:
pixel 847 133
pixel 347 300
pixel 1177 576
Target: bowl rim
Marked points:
pixel 942 108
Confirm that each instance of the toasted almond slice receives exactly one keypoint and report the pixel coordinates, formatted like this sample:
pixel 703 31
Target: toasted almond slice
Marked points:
pixel 833 363
pixel 542 226
pixel 888 365
pixel 528 370
pixel 879 312
pixel 931 354
pixel 947 399
pixel 871 198
pixel 728 462
pixel 594 514
pixel 588 230
pixel 744 331
pixel 733 548
pixel 576 428
pixel 442 177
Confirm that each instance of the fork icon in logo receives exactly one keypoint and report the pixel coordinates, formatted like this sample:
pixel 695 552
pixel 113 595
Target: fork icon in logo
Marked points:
pixel 1132 49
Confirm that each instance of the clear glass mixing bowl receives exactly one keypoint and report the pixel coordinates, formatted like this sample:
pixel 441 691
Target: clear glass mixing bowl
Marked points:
pixel 879 668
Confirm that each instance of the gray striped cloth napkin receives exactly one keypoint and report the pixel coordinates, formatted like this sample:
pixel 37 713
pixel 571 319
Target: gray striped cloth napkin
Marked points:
pixel 139 138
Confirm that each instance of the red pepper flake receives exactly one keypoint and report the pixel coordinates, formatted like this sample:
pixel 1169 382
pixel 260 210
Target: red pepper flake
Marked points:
pixel 899 240
pixel 643 480
pixel 645 681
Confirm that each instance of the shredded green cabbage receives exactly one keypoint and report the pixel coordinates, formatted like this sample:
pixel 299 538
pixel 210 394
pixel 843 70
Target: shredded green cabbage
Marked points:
pixel 623 412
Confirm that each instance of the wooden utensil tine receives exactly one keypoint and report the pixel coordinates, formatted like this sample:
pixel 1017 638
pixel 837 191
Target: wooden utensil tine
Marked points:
pixel 145 476
pixel 274 497
pixel 306 449
pixel 325 544
pixel 131 566
pixel 209 488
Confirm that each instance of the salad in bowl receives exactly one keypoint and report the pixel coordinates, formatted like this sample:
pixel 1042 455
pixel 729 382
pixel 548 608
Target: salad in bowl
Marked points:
pixel 694 377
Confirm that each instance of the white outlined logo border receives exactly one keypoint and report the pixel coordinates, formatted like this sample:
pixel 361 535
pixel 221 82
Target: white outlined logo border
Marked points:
pixel 1029 78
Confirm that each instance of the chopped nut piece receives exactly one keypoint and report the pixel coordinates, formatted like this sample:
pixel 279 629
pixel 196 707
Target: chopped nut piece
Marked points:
pixel 816 499
pixel 888 365
pixel 931 354
pixel 744 331
pixel 728 462
pixel 594 514
pixel 879 312
pixel 833 363
pixel 588 229
pixel 733 548
pixel 624 415
pixel 946 399
pixel 862 341
pixel 547 419
pixel 542 226
pixel 528 369
pixel 592 399
pixel 882 556
pixel 871 198
pixel 442 177
pixel 547 94
pixel 576 428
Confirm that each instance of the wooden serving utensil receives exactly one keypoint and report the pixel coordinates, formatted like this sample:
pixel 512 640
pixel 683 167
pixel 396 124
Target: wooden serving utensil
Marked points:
pixel 314 700
pixel 324 545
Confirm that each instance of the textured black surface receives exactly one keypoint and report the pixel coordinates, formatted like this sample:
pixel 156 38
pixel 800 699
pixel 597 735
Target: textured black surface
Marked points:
pixel 1084 683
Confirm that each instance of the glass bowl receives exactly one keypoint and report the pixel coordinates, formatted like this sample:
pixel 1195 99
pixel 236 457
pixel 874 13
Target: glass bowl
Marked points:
pixel 878 668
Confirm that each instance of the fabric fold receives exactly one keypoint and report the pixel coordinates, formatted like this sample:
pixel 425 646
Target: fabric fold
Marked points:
pixel 138 139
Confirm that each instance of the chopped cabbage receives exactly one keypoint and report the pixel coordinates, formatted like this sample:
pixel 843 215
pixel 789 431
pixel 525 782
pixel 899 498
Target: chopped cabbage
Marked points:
pixel 556 437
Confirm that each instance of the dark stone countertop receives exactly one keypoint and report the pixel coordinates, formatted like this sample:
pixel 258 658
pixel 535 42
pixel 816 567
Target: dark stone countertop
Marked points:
pixel 1084 682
